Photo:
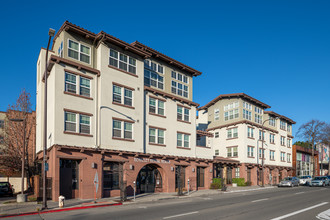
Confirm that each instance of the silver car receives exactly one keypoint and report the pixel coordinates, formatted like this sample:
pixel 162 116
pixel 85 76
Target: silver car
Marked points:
pixel 305 180
pixel 289 181
pixel 320 181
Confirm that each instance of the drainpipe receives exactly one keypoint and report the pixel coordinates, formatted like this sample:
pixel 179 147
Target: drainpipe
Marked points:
pixel 144 121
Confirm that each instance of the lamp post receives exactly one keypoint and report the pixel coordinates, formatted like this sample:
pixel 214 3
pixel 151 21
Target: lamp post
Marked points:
pixel 262 150
pixel 22 196
pixel 51 33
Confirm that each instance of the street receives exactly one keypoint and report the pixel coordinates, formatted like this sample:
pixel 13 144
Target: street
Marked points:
pixel 276 203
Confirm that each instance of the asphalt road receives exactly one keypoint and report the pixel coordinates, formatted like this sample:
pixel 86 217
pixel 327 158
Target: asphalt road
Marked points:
pixel 278 203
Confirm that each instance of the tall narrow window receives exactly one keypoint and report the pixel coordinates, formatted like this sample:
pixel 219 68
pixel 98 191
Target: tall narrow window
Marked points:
pixel 84 86
pixel 152 105
pixel 116 131
pixel 116 94
pixel 128 130
pixel 128 97
pixel 84 124
pixel 70 121
pixel 70 82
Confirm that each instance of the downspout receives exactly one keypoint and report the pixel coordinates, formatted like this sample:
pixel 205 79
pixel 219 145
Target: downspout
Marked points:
pixel 144 121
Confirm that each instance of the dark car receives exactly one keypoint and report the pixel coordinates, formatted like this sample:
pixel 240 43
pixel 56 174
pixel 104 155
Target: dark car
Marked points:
pixel 6 189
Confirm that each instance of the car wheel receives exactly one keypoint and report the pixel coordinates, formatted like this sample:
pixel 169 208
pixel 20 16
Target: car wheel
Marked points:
pixel 292 185
pixel 323 184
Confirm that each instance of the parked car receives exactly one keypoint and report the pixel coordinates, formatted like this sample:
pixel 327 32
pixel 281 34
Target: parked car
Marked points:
pixel 289 181
pixel 320 181
pixel 6 189
pixel 305 180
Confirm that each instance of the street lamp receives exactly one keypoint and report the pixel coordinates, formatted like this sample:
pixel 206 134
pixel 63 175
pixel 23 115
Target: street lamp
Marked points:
pixel 262 150
pixel 51 33
pixel 22 196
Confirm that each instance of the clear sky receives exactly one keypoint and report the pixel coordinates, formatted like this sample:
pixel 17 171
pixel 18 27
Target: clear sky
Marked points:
pixel 275 51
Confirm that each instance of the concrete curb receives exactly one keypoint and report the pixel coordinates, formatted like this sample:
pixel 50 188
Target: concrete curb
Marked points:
pixel 59 210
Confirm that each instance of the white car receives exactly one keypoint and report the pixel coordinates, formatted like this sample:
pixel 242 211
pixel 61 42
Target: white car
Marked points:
pixel 305 180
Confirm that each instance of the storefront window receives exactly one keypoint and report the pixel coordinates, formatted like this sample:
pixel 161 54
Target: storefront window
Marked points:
pixel 111 176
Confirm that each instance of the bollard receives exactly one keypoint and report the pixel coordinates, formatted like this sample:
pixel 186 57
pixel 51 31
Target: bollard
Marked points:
pixel 61 201
pixel 188 187
pixel 134 189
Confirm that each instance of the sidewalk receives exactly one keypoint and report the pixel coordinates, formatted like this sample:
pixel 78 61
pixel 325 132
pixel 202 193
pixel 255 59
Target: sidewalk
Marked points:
pixel 31 207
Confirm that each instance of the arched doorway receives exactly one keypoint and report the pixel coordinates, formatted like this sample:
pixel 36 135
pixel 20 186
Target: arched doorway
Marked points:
pixel 148 179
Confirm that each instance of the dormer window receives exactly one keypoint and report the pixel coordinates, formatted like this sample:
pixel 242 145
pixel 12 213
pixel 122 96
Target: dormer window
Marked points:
pixel 79 52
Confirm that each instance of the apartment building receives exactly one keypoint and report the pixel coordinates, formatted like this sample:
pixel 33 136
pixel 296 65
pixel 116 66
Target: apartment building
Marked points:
pixel 237 123
pixel 302 161
pixel 117 113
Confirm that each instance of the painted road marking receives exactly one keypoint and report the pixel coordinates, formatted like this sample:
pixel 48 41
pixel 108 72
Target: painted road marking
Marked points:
pixel 174 216
pixel 207 198
pixel 324 215
pixel 142 207
pixel 300 211
pixel 299 193
pixel 260 200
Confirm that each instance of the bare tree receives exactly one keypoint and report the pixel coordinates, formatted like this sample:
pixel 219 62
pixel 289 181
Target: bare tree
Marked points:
pixel 19 131
pixel 312 132
pixel 326 140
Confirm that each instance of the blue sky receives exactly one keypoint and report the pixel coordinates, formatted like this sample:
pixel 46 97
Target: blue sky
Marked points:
pixel 275 51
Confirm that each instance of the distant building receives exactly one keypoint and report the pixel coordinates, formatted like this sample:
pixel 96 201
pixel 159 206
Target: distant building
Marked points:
pixel 302 161
pixel 323 150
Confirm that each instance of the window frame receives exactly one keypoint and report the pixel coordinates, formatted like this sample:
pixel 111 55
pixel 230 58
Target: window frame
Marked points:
pixel 183 140
pixel 123 97
pixel 127 63
pixel 79 51
pixel 122 129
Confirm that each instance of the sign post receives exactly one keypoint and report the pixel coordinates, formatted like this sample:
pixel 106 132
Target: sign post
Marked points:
pixel 96 185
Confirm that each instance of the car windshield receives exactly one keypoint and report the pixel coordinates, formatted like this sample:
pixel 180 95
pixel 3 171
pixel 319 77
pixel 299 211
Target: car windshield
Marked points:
pixel 3 184
pixel 319 178
pixel 288 178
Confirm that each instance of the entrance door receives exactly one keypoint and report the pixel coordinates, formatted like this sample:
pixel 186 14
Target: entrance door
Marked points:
pixel 229 175
pixel 200 177
pixel 148 179
pixel 69 178
pixel 249 175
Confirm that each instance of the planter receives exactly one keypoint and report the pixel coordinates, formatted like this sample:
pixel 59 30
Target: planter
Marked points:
pixel 234 184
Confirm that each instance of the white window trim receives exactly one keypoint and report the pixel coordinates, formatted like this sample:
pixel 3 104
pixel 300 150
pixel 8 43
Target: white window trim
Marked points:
pixel 79 51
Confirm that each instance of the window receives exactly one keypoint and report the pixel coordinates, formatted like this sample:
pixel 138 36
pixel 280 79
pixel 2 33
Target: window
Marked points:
pixel 258 110
pixel 261 153
pixel 84 124
pixel 272 138
pixel 282 125
pixel 258 118
pixel 250 151
pixel 216 152
pixel 153 79
pixel 2 123
pixel 288 158
pixel 231 106
pixel 247 105
pixel 247 114
pixel 282 156
pixel 282 141
pixel 288 144
pixel 271 155
pixel 156 106
pixel 237 172
pixel 183 140
pixel 263 135
pixel 148 64
pixel 216 114
pixel 122 61
pixel 70 82
pixel 180 77
pixel 272 121
pixel 126 99
pixel 288 128
pixel 84 86
pixel 183 113
pixel 122 129
pixel 232 133
pixel 179 89
pixel 156 135
pixel 216 134
pixel 71 122
pixel 250 132
pixel 2 140
pixel 231 114
pixel 111 175
pixel 79 52
pixel 60 50
pixel 232 152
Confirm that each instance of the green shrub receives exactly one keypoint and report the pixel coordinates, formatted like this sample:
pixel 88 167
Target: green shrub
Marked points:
pixel 239 181
pixel 216 183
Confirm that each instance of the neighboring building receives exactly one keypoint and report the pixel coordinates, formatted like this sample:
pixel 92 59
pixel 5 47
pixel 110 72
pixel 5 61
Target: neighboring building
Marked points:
pixel 117 112
pixel 323 150
pixel 302 161
pixel 7 171
pixel 236 123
